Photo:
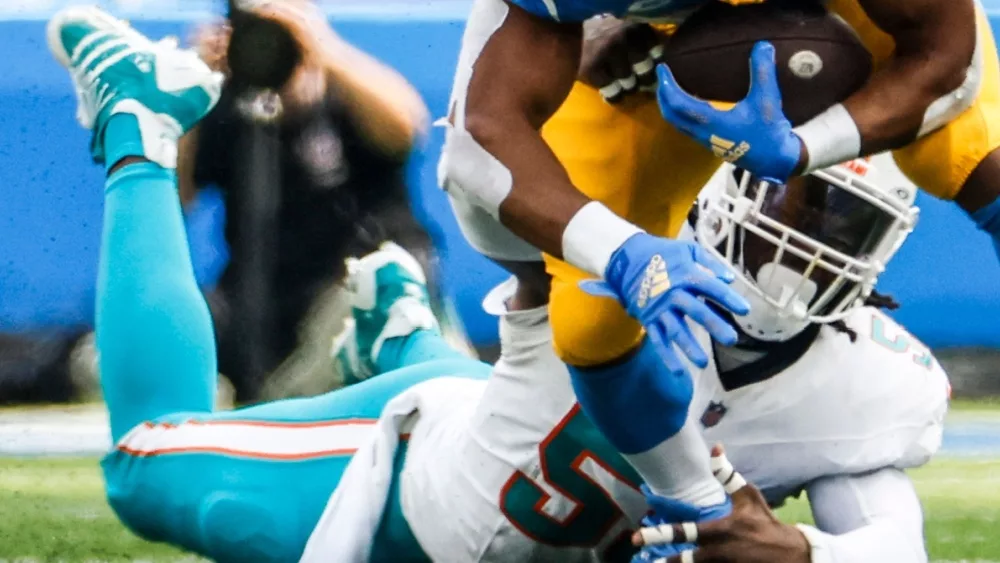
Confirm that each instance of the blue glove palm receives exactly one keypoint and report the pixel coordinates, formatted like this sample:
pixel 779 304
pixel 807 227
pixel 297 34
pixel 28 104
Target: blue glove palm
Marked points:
pixel 754 134
pixel 659 281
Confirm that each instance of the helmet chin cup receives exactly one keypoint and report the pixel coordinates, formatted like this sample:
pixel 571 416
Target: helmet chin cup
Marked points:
pixel 782 312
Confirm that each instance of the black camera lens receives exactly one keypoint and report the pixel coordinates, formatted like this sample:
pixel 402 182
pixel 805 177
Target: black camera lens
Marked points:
pixel 262 53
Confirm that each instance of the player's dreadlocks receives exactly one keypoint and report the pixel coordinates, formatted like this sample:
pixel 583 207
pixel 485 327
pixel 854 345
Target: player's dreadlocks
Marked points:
pixel 877 300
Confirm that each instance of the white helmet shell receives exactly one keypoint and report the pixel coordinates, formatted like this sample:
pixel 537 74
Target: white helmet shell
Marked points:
pixel 781 288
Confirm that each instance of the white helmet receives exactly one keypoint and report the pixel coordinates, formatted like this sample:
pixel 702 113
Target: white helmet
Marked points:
pixel 811 250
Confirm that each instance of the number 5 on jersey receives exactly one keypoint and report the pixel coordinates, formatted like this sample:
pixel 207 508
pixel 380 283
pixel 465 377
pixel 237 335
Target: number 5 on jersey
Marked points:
pixel 578 465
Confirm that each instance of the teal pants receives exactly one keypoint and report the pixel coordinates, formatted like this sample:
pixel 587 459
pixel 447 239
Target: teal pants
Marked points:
pixel 247 485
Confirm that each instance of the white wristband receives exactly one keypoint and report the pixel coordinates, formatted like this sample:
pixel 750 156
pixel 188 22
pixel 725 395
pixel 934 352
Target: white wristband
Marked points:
pixel 593 235
pixel 830 138
pixel 819 551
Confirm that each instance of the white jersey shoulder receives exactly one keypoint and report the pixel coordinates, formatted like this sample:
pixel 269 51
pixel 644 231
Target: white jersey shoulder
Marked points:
pixel 843 407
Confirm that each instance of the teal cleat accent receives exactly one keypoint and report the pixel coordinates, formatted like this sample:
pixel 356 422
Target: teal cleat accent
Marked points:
pixel 389 299
pixel 117 70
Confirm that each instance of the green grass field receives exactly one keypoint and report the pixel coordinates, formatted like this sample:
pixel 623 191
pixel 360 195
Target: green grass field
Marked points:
pixel 54 510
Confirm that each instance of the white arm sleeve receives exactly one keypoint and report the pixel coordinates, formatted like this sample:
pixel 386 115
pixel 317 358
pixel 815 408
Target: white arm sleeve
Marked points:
pixel 869 518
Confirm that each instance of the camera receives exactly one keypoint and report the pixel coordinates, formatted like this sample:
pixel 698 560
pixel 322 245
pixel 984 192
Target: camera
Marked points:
pixel 262 53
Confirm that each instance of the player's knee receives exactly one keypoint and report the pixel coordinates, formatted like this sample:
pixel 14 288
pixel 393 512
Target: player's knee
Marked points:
pixel 225 525
pixel 938 172
pixel 241 526
pixel 982 187
pixel 132 507
pixel 588 330
pixel 942 161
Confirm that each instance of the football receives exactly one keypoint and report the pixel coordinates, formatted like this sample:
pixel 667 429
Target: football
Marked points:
pixel 819 59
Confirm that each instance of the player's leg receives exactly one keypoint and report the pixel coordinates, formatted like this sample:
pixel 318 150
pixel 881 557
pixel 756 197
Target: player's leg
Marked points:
pixel 960 161
pixel 154 334
pixel 264 474
pixel 609 151
pixel 628 158
pixel 392 324
pixel 250 484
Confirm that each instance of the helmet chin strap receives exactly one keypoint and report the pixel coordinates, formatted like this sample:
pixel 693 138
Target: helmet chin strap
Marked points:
pixel 768 323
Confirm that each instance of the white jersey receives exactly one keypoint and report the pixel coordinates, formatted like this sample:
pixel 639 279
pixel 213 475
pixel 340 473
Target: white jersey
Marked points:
pixel 522 475
pixel 842 408
pixel 510 470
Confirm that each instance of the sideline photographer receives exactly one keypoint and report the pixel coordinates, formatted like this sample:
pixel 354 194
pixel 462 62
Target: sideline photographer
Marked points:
pixel 330 182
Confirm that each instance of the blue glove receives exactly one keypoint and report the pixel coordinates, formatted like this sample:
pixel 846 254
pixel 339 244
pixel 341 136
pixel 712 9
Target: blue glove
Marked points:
pixel 670 511
pixel 658 281
pixel 754 134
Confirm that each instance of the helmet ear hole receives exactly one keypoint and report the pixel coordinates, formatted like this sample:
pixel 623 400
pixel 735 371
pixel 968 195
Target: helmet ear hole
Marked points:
pixel 692 218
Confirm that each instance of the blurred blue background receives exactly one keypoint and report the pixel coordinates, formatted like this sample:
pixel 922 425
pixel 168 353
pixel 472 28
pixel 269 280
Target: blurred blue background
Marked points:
pixel 946 277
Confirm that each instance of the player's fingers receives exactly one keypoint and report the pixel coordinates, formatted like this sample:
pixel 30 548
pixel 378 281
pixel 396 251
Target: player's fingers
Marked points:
pixel 725 473
pixel 657 52
pixel 666 534
pixel 706 285
pixel 670 95
pixel 680 333
pixel 664 348
pixel 598 288
pixel 763 75
pixel 644 73
pixel 621 68
pixel 719 291
pixel 599 75
pixel 679 122
pixel 640 39
pixel 721 270
pixel 725 296
pixel 612 93
pixel 699 312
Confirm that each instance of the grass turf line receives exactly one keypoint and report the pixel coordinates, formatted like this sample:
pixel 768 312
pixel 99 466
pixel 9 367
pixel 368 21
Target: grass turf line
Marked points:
pixel 54 510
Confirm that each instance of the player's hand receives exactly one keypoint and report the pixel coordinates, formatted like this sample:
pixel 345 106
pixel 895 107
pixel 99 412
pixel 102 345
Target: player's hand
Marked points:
pixel 754 134
pixel 619 58
pixel 751 534
pixel 661 281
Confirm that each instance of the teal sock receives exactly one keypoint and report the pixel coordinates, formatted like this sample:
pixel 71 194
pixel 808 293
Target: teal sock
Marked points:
pixel 154 333
pixel 121 139
pixel 415 348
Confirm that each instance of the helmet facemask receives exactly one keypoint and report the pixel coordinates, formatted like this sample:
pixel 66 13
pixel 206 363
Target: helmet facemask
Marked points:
pixel 808 251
